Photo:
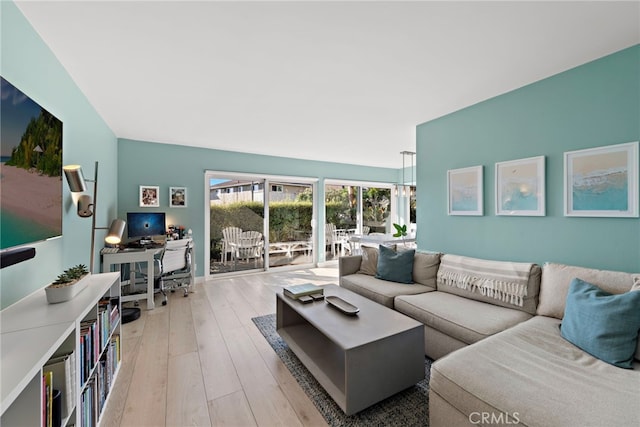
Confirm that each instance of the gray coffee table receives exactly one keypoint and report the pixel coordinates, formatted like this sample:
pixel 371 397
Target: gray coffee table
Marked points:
pixel 359 360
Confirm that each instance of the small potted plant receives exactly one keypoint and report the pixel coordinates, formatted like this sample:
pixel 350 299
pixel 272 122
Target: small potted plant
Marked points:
pixel 68 284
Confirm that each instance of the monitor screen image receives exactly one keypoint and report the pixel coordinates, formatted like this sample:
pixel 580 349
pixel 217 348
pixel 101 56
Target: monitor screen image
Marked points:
pixel 145 224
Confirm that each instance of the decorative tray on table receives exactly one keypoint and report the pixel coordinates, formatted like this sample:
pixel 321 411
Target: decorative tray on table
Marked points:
pixel 341 305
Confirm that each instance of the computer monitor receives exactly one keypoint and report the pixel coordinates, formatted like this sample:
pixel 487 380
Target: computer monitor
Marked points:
pixel 145 225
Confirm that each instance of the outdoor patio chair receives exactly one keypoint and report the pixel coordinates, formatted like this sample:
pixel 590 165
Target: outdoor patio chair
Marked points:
pixel 230 235
pixel 249 245
pixel 334 239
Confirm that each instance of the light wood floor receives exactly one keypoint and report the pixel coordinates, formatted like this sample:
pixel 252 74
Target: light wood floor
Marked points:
pixel 200 361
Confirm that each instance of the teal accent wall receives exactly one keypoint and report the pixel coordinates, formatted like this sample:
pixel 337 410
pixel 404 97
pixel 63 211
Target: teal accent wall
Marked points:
pixel 596 104
pixel 167 165
pixel 29 64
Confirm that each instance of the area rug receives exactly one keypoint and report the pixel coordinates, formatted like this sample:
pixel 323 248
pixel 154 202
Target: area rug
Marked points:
pixel 407 408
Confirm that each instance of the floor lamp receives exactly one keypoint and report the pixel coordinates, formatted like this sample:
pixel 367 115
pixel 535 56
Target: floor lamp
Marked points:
pixel 87 207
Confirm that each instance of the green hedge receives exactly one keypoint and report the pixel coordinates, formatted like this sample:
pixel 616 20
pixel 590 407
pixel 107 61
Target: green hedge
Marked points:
pixel 287 221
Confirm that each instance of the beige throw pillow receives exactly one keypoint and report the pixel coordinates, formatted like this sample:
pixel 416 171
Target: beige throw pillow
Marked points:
pixel 556 279
pixel 369 263
pixel 425 268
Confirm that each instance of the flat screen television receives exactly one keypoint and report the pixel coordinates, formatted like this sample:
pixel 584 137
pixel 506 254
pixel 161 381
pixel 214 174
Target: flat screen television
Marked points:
pixel 144 225
pixel 30 170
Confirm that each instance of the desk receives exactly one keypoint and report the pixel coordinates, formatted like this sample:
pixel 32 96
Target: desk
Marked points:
pixel 131 256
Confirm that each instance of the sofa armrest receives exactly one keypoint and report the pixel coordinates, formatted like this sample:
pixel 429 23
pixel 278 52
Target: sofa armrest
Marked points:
pixel 349 265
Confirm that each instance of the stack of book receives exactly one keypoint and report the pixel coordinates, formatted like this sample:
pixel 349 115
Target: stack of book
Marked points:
pixel 304 291
pixel 59 376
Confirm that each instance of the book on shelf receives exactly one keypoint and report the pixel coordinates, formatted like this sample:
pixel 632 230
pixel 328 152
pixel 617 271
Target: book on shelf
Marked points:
pixel 47 403
pixel 297 291
pixel 63 368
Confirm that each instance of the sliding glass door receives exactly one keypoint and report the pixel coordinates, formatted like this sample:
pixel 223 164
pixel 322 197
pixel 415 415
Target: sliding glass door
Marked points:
pixel 355 208
pixel 290 220
pixel 236 223
pixel 259 222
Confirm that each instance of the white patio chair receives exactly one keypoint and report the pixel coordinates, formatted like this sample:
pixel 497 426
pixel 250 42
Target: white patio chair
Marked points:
pixel 249 245
pixel 229 235
pixel 336 239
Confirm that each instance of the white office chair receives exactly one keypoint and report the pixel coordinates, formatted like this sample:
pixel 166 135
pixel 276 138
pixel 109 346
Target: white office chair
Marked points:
pixel 173 269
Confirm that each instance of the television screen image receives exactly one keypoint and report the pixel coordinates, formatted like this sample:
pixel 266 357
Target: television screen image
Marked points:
pixel 145 225
pixel 30 170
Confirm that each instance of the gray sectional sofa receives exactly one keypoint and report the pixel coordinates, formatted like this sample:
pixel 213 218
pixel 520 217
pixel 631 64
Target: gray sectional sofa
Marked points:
pixel 496 338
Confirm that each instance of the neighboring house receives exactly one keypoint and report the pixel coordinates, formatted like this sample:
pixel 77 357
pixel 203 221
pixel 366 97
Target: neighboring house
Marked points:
pixel 245 191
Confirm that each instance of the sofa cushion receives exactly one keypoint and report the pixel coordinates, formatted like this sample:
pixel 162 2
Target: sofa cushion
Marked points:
pixel 556 279
pixel 395 266
pixel 602 324
pixel 531 371
pixel 369 264
pixel 461 318
pixel 529 273
pixel 425 267
pixel 380 291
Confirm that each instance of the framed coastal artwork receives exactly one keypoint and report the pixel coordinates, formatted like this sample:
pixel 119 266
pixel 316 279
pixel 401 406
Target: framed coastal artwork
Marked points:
pixel 602 181
pixel 177 197
pixel 31 170
pixel 149 196
pixel 464 191
pixel 520 187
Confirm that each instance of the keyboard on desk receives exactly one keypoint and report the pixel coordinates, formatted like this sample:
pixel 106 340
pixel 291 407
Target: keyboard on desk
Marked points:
pixel 139 246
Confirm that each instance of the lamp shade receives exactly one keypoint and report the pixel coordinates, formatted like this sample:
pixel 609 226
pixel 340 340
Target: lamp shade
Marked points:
pixel 85 206
pixel 75 179
pixel 114 236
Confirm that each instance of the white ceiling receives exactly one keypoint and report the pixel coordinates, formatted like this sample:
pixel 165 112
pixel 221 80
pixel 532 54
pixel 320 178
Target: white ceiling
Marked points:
pixel 337 81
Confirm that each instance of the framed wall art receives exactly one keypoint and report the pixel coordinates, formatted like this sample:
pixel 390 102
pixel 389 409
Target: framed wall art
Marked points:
pixel 177 197
pixel 464 191
pixel 520 187
pixel 602 181
pixel 149 196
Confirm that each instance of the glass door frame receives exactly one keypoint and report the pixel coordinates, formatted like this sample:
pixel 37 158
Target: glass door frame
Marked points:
pixel 209 174
pixel 393 214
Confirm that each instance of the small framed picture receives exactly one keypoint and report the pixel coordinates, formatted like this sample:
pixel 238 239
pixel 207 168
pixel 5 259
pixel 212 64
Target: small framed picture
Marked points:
pixel 464 191
pixel 149 196
pixel 602 181
pixel 520 188
pixel 177 197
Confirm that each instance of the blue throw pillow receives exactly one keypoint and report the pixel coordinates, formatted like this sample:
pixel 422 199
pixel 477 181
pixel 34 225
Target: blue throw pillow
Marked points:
pixel 602 324
pixel 395 266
